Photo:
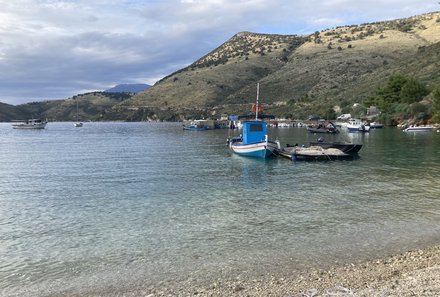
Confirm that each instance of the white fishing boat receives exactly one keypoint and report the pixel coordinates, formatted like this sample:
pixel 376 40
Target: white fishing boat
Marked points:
pixel 376 125
pixel 356 125
pixel 414 128
pixel 29 124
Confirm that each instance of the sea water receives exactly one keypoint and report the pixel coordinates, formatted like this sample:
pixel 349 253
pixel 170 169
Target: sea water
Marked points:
pixel 109 205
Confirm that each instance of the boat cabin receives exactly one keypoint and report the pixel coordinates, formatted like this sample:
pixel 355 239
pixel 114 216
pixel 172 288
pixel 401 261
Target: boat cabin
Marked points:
pixel 254 132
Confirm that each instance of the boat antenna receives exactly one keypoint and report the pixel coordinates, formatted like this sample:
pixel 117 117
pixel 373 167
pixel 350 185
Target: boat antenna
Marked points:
pixel 256 107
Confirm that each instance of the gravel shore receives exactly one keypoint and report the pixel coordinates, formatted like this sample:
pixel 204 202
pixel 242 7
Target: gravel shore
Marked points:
pixel 414 273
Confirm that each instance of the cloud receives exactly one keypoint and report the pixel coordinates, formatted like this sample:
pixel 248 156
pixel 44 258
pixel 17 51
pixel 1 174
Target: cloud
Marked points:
pixel 53 49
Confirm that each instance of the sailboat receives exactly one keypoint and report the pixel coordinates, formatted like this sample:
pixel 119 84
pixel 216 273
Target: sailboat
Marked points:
pixel 254 141
pixel 78 123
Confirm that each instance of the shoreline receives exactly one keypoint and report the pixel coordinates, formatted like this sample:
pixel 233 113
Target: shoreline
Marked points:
pixel 412 273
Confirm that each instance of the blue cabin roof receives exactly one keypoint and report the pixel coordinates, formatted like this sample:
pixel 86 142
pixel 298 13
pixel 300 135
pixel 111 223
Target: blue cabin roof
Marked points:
pixel 254 132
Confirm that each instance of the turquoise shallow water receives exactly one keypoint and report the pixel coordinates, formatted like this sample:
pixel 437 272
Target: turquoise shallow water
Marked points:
pixel 119 204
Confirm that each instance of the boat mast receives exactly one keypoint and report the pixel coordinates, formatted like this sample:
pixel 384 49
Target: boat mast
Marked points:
pixel 256 107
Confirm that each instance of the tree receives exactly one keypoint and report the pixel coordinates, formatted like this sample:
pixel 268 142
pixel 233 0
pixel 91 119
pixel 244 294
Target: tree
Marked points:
pixel 436 104
pixel 412 91
pixel 399 89
pixel 330 114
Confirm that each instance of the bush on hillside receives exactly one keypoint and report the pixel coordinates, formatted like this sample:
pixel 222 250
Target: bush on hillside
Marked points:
pixel 413 91
pixel 397 94
pixel 436 104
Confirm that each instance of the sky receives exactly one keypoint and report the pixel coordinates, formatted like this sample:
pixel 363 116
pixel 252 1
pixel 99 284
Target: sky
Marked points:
pixel 55 49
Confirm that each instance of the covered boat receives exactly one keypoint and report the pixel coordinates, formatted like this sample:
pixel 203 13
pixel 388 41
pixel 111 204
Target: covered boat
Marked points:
pixel 313 153
pixel 346 147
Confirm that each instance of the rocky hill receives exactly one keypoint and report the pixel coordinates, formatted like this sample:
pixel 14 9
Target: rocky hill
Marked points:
pixel 334 67
pixel 226 75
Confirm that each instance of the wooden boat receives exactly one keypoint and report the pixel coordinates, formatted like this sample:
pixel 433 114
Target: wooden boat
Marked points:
pixel 29 124
pixel 346 147
pixel 254 141
pixel 312 153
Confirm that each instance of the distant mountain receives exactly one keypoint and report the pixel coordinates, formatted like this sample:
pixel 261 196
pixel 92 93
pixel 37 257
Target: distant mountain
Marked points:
pixel 128 88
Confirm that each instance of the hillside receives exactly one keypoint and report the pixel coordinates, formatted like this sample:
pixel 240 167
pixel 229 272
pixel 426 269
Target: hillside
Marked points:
pixel 336 66
pixel 213 78
pixel 95 106
pixel 9 113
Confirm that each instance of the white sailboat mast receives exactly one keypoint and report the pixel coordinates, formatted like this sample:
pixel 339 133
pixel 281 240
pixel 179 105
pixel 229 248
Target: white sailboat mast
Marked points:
pixel 256 107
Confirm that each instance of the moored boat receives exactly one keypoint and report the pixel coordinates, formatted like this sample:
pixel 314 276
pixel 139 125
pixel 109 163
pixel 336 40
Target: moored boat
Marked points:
pixel 376 125
pixel 323 128
pixel 254 141
pixel 355 125
pixel 312 153
pixel 195 126
pixel 346 147
pixel 78 123
pixel 29 124
pixel 418 129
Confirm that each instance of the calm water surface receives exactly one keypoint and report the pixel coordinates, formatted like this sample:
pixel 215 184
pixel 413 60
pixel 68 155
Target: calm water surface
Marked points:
pixel 121 204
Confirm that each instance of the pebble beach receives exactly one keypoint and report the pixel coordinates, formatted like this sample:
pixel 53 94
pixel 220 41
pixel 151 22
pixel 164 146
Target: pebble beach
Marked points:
pixel 413 273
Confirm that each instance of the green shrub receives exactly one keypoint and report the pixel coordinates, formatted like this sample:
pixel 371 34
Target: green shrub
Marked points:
pixel 436 104
pixel 398 89
pixel 413 91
